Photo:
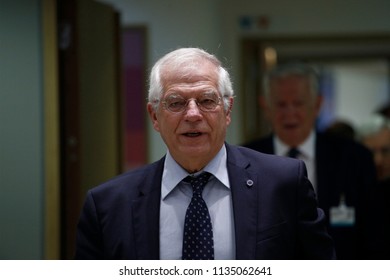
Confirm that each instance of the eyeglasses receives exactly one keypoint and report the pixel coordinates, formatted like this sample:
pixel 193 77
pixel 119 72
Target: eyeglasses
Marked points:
pixel 384 151
pixel 205 102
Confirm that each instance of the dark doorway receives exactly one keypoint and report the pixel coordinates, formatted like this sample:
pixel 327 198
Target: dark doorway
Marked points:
pixel 90 111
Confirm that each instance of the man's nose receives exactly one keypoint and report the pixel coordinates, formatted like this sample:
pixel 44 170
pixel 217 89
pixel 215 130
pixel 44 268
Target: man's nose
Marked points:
pixel 378 157
pixel 192 108
pixel 289 110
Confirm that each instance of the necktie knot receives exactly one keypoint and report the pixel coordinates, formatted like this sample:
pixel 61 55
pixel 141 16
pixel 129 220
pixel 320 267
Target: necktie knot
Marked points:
pixel 198 182
pixel 293 152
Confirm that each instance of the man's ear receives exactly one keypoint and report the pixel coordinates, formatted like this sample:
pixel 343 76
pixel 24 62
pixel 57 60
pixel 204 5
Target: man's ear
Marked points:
pixel 153 116
pixel 229 110
pixel 319 101
pixel 263 104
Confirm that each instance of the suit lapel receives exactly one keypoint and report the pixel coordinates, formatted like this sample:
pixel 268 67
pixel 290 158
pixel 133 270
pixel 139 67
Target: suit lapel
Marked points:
pixel 146 214
pixel 244 196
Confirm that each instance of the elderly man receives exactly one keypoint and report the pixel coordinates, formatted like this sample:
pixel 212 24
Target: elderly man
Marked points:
pixel 341 170
pixel 205 199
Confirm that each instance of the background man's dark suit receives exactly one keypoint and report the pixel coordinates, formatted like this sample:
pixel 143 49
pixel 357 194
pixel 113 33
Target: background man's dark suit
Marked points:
pixel 344 166
pixel 274 204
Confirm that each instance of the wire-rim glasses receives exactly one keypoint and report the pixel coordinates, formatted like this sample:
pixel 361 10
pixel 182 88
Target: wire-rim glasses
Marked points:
pixel 177 104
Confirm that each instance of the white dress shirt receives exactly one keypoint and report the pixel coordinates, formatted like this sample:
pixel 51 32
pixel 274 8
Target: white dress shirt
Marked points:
pixel 307 154
pixel 175 198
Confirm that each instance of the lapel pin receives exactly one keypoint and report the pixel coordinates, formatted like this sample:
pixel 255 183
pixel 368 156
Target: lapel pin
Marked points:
pixel 249 183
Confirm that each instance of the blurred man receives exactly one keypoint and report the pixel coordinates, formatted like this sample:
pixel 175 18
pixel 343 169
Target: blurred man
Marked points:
pixel 342 171
pixel 374 133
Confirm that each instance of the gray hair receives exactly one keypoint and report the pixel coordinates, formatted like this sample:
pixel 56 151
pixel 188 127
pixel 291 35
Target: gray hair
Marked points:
pixel 187 58
pixel 296 69
pixel 373 125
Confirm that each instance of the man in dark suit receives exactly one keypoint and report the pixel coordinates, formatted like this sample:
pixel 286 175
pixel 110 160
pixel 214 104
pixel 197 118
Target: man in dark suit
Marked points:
pixel 374 133
pixel 341 170
pixel 253 205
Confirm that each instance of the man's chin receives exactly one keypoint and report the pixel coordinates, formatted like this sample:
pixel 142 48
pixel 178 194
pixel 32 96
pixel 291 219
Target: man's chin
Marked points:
pixel 194 151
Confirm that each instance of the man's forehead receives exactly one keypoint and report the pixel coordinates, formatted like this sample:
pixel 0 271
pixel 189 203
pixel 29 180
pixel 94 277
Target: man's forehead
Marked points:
pixel 190 71
pixel 289 78
pixel 189 76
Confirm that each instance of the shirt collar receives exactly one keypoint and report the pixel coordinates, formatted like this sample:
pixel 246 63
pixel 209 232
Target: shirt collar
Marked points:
pixel 173 173
pixel 306 148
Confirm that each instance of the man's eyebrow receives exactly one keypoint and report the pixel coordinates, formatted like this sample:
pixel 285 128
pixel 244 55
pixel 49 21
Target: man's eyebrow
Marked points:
pixel 211 91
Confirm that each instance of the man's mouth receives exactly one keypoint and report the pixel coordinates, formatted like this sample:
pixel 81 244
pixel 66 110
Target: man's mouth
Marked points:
pixel 290 126
pixel 192 134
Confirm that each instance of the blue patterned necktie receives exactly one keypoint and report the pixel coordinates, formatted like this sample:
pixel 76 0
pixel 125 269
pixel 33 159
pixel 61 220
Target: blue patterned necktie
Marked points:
pixel 198 241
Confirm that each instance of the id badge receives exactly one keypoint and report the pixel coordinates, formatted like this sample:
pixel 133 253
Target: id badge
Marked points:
pixel 342 215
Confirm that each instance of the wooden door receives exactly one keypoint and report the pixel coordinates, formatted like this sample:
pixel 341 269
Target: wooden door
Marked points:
pixel 90 98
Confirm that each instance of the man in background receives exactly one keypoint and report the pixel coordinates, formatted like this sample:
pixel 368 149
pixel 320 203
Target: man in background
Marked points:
pixel 374 133
pixel 341 170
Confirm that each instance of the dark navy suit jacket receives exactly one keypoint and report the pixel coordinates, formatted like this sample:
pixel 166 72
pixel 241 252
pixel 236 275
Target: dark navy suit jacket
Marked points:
pixel 345 167
pixel 275 212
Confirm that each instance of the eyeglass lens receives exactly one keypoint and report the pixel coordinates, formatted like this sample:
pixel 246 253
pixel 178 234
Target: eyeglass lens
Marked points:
pixel 177 103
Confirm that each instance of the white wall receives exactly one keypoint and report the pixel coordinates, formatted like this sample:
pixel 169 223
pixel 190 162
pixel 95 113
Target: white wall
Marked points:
pixel 21 131
pixel 214 25
pixel 361 89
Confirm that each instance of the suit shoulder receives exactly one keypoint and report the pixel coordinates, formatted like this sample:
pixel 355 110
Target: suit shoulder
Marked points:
pixel 248 151
pixel 264 144
pixel 129 180
pixel 265 159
